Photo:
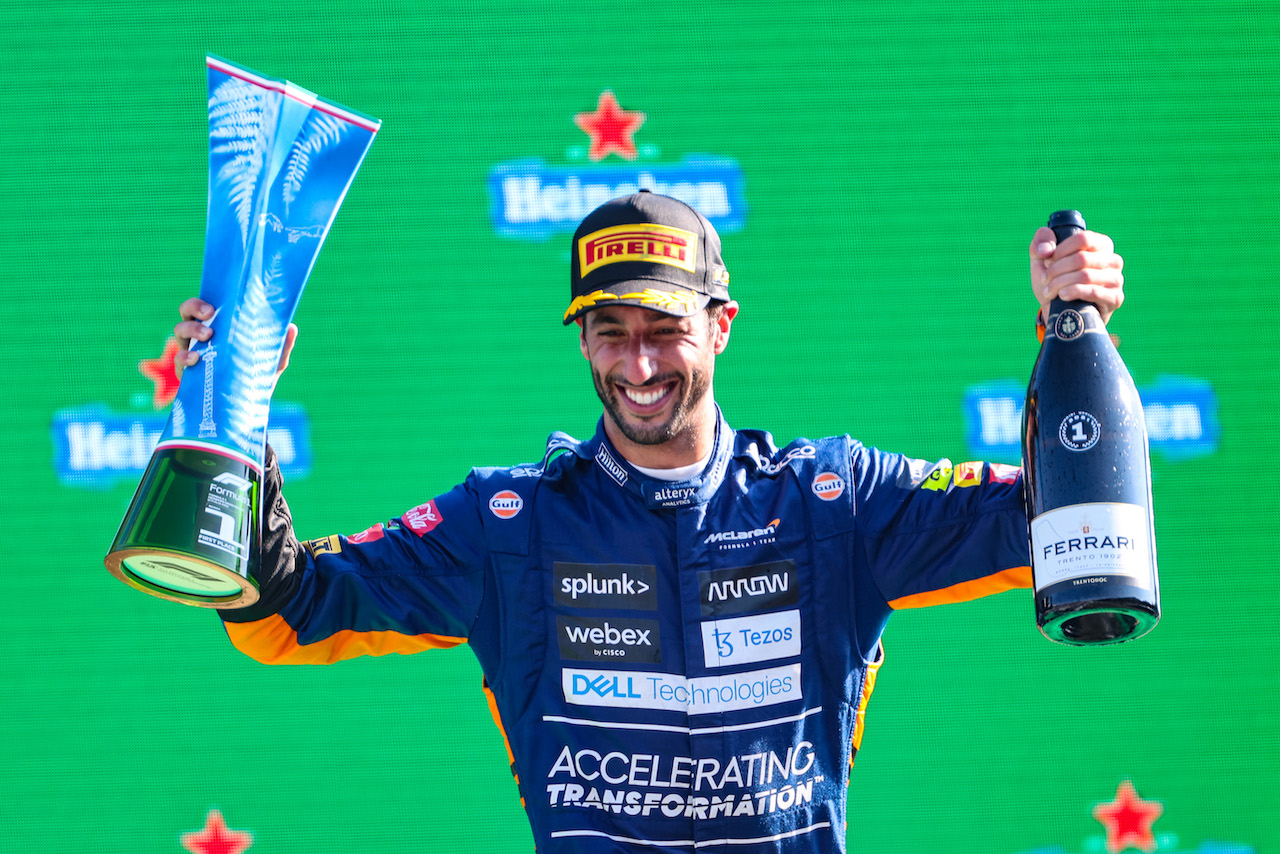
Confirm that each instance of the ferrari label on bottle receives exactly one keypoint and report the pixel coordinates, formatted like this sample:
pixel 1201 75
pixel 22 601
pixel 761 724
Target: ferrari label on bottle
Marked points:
pixel 1092 541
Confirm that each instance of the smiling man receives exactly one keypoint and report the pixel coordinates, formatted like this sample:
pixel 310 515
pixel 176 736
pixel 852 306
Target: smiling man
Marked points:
pixel 645 270
pixel 679 623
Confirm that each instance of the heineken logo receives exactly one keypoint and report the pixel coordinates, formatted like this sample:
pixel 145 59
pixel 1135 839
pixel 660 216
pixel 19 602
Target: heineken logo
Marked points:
pixel 532 199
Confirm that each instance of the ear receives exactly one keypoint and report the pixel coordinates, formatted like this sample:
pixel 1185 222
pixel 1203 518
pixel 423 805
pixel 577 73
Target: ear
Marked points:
pixel 724 321
pixel 582 336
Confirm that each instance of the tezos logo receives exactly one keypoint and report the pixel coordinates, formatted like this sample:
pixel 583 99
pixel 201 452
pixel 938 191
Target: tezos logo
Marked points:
pixel 828 486
pixel 759 637
pixel 505 504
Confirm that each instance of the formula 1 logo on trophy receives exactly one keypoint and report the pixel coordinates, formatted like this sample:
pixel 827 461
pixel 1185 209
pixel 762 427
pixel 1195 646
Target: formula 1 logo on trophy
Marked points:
pixel 280 162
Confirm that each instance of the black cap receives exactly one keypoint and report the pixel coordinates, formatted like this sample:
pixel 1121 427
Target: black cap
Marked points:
pixel 648 250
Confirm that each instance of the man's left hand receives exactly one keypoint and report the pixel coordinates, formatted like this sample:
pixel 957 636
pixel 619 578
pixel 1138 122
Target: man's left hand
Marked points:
pixel 1084 267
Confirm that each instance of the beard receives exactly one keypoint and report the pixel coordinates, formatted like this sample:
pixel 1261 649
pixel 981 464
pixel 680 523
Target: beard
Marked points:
pixel 686 398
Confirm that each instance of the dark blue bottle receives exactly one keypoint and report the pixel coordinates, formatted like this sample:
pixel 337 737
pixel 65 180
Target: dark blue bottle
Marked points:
pixel 1088 481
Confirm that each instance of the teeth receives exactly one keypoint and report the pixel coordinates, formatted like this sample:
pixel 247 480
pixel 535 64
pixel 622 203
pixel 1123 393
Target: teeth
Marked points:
pixel 644 398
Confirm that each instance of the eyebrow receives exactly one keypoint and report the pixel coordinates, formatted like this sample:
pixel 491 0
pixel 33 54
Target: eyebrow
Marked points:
pixel 605 316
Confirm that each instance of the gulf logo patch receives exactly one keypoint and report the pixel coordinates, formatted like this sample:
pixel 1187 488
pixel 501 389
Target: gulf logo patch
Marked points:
pixel 828 486
pixel 505 504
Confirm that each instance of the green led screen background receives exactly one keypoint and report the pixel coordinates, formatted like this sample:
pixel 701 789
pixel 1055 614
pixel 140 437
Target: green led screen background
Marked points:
pixel 894 165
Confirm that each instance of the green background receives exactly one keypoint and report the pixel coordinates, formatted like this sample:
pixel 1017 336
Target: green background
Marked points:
pixel 896 163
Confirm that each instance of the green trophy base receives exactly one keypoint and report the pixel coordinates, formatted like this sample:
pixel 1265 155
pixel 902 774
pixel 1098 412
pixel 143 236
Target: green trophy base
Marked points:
pixel 192 531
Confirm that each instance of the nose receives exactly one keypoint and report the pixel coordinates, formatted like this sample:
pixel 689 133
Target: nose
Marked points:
pixel 640 363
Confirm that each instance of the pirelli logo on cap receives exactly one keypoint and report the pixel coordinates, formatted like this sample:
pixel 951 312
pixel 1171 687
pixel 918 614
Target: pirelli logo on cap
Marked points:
pixel 659 244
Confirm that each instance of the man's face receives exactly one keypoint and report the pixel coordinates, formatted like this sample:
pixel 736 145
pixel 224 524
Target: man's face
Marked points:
pixel 653 371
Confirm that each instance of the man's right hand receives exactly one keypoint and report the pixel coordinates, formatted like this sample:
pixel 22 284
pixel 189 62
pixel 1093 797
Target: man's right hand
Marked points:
pixel 194 312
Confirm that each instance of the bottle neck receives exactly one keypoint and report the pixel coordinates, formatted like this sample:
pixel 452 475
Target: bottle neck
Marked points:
pixel 1070 319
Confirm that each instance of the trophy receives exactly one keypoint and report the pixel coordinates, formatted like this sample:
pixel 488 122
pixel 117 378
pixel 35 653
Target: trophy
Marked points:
pixel 280 162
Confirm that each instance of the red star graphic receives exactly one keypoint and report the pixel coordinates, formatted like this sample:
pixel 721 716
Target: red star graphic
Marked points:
pixel 161 372
pixel 1128 820
pixel 214 838
pixel 610 128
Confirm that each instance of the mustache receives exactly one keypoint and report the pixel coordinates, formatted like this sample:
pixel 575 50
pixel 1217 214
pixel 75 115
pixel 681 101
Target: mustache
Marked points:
pixel 662 379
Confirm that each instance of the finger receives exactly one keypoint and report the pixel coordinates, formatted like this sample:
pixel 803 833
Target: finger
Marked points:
pixel 191 330
pixel 1106 277
pixel 195 309
pixel 184 359
pixel 290 336
pixel 1083 260
pixel 1106 293
pixel 1106 299
pixel 1043 243
pixel 1084 241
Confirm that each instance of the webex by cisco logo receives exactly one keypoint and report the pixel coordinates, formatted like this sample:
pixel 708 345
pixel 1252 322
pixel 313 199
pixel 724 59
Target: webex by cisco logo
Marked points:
pixel 606 585
pixel 761 587
pixel 616 639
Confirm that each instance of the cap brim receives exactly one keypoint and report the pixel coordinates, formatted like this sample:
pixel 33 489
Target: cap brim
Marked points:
pixel 645 293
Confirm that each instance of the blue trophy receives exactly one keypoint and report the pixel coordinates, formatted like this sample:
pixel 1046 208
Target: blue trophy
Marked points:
pixel 280 162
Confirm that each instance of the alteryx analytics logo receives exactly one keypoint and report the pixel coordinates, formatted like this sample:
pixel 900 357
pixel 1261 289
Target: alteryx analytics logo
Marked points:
pixel 531 199
pixel 1181 415
pixel 95 447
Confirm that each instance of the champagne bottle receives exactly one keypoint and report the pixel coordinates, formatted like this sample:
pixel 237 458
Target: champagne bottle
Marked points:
pixel 1087 472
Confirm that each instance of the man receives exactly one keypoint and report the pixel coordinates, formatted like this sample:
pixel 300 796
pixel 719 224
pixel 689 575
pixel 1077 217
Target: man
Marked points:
pixel 679 624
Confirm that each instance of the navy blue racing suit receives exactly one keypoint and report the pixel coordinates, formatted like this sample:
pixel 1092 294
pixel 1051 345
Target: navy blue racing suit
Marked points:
pixel 675 666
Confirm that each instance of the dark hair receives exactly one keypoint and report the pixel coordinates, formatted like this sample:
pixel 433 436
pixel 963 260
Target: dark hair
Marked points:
pixel 713 310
